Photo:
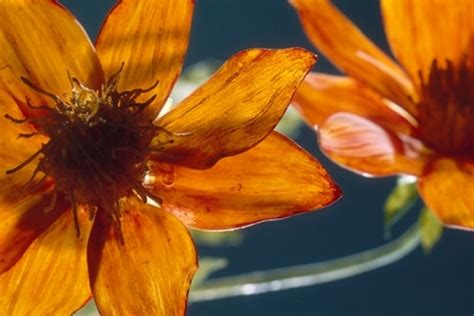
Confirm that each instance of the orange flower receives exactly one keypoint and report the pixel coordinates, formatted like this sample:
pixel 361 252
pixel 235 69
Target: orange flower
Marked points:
pixel 80 155
pixel 383 119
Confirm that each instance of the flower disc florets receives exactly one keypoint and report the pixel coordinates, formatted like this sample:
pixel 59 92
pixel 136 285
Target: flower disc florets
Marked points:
pixel 447 109
pixel 98 147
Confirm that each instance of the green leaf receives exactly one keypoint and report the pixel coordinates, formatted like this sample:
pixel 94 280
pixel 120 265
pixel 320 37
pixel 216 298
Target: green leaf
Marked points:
pixel 430 228
pixel 207 266
pixel 399 202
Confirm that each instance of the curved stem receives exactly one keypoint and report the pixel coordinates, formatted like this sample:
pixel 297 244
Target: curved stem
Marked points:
pixel 309 274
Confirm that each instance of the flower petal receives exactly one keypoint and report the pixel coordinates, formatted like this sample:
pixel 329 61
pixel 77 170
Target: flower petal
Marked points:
pixel 22 216
pixel 417 37
pixel 236 108
pixel 363 146
pixel 51 278
pixel 22 220
pixel 150 273
pixel 151 39
pixel 321 96
pixel 448 190
pixel 349 49
pixel 42 42
pixel 247 188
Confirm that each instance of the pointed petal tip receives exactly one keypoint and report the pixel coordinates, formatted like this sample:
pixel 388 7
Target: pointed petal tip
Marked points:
pixel 248 188
pixel 236 108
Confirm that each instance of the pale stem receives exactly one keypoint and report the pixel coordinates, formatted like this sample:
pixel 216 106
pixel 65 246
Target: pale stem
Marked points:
pixel 259 282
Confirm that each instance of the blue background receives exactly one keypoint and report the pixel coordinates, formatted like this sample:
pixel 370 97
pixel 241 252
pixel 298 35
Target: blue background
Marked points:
pixel 439 284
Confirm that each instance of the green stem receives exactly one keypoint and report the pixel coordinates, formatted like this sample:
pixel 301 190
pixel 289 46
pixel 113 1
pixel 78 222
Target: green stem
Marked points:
pixel 259 282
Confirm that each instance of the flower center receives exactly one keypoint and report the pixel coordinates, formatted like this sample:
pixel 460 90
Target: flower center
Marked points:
pixel 447 109
pixel 98 147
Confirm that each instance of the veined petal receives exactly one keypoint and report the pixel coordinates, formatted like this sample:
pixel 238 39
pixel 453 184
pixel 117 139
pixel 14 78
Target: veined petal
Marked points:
pixel 321 95
pixel 447 189
pixel 236 108
pixel 42 42
pixel 247 188
pixel 417 37
pixel 22 216
pixel 151 39
pixel 365 147
pixel 150 273
pixel 22 220
pixel 350 50
pixel 51 278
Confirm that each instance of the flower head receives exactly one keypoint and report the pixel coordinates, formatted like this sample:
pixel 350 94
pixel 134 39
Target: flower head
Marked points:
pixel 82 151
pixel 415 118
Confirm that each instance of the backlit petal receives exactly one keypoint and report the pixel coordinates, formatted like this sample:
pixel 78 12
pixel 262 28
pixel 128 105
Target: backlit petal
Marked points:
pixel 42 41
pixel 448 190
pixel 365 147
pixel 22 220
pixel 247 188
pixel 236 108
pixel 150 273
pixel 22 216
pixel 420 31
pixel 151 39
pixel 350 50
pixel 51 278
pixel 321 96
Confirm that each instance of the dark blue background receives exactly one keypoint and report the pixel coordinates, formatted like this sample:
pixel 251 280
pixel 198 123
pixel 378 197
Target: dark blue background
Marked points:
pixel 439 284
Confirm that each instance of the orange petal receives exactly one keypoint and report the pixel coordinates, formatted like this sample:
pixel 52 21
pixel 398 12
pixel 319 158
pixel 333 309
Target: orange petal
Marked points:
pixel 22 220
pixel 43 42
pixel 349 49
pixel 247 188
pixel 151 39
pixel 448 190
pixel 321 96
pixel 365 147
pixel 22 217
pixel 417 37
pixel 236 108
pixel 51 278
pixel 151 272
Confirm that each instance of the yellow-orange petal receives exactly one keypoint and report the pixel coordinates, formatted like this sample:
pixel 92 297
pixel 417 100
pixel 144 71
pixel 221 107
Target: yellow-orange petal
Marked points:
pixel 21 208
pixel 51 278
pixel 417 36
pixel 22 220
pixel 448 190
pixel 150 273
pixel 42 41
pixel 247 188
pixel 322 95
pixel 151 39
pixel 365 147
pixel 236 108
pixel 350 50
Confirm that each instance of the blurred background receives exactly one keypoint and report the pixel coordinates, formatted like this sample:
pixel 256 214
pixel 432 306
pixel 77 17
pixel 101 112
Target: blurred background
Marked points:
pixel 440 283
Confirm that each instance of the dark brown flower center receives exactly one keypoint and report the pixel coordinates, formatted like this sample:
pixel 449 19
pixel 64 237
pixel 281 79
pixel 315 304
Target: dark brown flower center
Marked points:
pixel 447 109
pixel 98 147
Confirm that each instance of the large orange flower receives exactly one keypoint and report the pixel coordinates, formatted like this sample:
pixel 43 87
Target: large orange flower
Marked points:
pixel 81 154
pixel 383 119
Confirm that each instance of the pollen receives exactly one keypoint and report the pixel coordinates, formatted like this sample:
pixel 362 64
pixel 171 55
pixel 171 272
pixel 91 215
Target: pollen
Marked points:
pixel 98 146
